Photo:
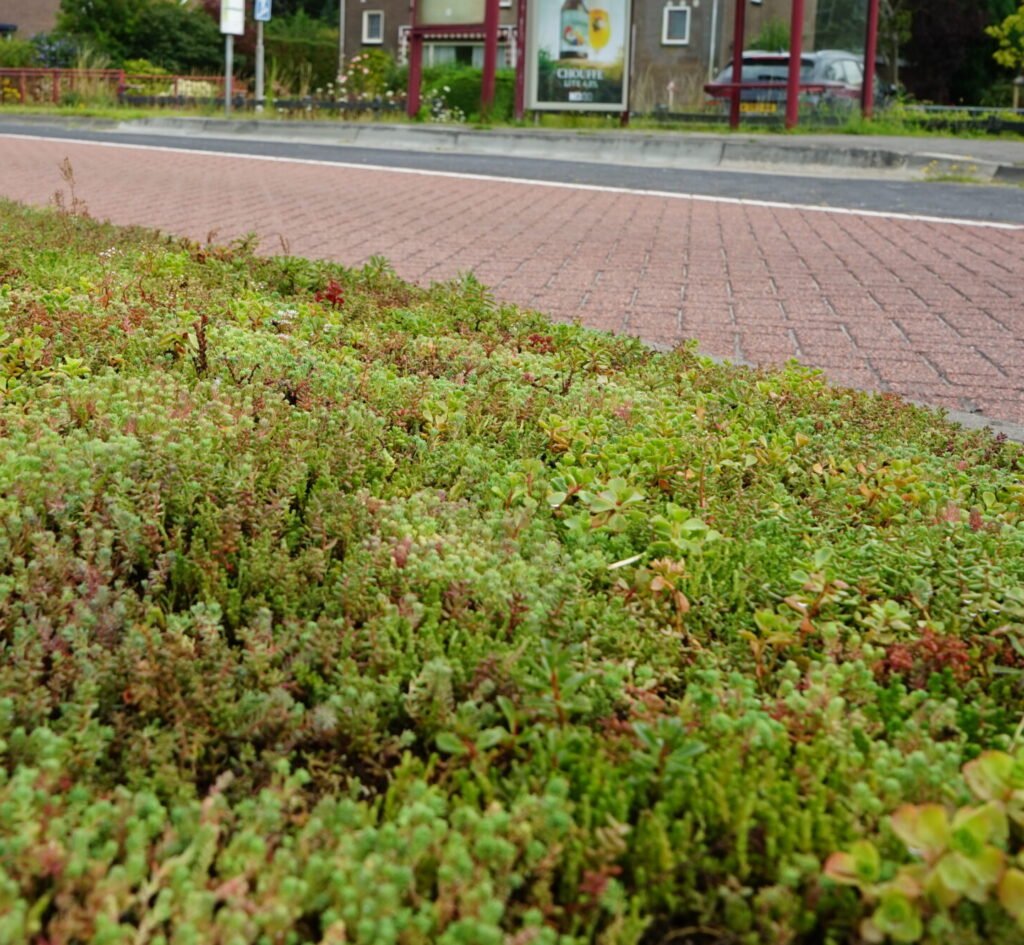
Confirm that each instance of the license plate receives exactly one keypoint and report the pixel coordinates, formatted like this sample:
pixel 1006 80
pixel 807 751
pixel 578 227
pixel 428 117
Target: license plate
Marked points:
pixel 762 108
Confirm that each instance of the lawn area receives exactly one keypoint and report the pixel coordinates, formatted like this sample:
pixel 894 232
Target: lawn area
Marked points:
pixel 334 609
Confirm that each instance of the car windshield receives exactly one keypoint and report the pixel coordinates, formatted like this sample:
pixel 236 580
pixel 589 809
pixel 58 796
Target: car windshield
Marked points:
pixel 767 70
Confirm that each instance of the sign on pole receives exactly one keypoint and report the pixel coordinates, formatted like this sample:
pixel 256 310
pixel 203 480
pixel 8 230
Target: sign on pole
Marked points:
pixel 261 13
pixel 232 17
pixel 578 55
pixel 232 24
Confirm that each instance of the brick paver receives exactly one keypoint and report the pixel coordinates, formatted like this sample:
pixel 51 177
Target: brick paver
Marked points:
pixel 932 311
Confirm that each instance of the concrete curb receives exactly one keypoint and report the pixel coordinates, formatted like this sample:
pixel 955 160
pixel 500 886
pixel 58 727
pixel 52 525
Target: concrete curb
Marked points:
pixel 644 149
pixel 974 421
pixel 656 149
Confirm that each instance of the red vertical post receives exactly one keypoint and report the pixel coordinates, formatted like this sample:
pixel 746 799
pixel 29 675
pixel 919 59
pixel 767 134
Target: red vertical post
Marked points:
pixel 867 92
pixel 737 62
pixel 492 13
pixel 22 88
pixel 520 105
pixel 55 86
pixel 412 90
pixel 412 102
pixel 796 36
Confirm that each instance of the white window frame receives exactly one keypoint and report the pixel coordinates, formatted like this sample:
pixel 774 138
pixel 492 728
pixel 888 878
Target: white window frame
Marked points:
pixel 367 41
pixel 669 9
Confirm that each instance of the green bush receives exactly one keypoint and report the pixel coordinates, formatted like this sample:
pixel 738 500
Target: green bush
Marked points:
pixel 17 54
pixel 303 64
pixel 142 67
pixel 370 74
pixel 303 52
pixel 179 38
pixel 458 89
pixel 336 609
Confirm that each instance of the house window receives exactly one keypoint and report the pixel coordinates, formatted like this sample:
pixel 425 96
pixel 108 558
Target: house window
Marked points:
pixel 675 25
pixel 373 27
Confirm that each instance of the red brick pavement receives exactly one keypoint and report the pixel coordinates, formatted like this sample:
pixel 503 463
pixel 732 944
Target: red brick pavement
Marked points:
pixel 933 311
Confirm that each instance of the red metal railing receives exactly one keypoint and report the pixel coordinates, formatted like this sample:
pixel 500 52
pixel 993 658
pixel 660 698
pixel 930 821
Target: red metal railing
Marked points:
pixel 35 86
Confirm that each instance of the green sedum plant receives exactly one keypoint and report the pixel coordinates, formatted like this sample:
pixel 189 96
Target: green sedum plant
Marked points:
pixel 337 609
pixel 958 857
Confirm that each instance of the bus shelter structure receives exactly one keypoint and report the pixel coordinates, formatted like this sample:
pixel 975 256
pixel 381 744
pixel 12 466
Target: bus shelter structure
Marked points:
pixel 793 84
pixel 486 16
pixel 424 27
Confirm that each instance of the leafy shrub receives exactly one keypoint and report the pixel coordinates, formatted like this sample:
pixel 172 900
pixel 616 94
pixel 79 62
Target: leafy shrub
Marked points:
pixel 457 89
pixel 370 74
pixel 303 52
pixel 17 54
pixel 142 67
pixel 55 50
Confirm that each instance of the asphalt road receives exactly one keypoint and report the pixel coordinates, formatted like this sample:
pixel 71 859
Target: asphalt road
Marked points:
pixel 995 203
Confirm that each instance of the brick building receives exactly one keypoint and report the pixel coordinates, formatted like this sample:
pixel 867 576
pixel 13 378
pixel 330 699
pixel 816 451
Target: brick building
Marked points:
pixel 29 17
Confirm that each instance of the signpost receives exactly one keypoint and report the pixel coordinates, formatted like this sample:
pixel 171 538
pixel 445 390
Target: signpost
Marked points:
pixel 232 24
pixel 261 13
pixel 578 55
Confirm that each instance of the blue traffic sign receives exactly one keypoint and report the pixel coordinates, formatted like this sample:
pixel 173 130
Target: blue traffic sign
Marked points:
pixel 262 11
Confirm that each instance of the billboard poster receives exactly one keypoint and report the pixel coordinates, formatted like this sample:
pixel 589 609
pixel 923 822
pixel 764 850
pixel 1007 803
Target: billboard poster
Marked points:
pixel 578 54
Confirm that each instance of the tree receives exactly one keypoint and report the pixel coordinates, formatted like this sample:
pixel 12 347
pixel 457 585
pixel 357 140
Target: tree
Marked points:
pixel 949 53
pixel 840 24
pixel 176 37
pixel 107 24
pixel 1010 36
pixel 774 35
pixel 895 21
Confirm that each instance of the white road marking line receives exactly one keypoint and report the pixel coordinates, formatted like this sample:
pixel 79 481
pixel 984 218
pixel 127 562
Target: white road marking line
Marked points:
pixel 596 188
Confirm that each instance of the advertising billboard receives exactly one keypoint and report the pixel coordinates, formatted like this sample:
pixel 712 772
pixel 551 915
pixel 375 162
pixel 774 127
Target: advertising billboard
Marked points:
pixel 578 55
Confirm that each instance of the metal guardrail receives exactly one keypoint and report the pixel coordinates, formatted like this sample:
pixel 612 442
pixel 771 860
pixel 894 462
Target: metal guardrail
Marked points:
pixel 963 109
pixel 243 103
pixel 932 118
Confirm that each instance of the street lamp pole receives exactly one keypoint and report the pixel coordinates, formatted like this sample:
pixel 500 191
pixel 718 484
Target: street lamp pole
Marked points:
pixel 259 66
pixel 229 68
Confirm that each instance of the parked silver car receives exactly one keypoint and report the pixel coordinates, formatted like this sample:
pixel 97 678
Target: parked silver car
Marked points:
pixel 832 78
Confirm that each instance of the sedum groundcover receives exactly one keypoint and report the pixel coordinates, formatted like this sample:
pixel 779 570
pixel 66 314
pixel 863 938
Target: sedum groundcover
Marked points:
pixel 338 610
